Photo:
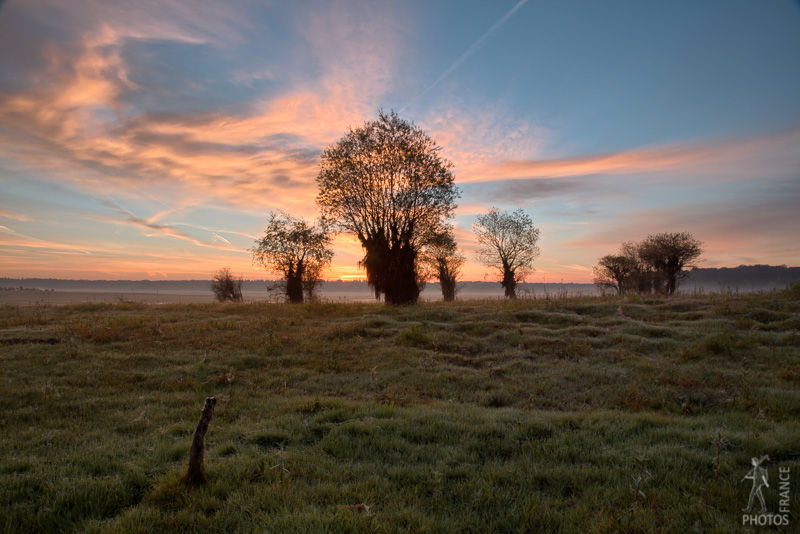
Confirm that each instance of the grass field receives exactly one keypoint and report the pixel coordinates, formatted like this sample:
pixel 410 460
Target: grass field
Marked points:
pixel 549 415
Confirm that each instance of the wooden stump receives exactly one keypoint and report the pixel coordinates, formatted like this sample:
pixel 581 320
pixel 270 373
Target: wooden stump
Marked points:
pixel 196 473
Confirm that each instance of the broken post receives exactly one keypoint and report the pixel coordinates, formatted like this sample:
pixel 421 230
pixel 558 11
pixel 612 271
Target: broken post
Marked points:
pixel 196 473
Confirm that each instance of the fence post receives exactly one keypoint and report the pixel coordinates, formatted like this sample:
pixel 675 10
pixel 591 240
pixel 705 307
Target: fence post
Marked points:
pixel 196 473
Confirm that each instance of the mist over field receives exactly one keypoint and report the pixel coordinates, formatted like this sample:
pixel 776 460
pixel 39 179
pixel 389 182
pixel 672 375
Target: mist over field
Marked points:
pixel 740 279
pixel 253 290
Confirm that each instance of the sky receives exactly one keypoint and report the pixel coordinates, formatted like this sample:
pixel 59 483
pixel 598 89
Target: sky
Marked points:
pixel 151 139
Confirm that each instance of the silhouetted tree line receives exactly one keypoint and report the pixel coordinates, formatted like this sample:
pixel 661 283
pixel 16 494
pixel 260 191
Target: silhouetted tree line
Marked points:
pixel 745 276
pixel 655 265
pixel 386 183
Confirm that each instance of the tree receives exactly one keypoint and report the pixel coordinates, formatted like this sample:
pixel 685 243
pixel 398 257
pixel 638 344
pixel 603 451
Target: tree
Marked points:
pixel 386 183
pixel 671 255
pixel 296 250
pixel 644 279
pixel 617 272
pixel 507 244
pixel 442 261
pixel 226 287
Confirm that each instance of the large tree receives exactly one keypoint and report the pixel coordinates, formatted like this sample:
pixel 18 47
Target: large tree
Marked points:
pixel 507 245
pixel 386 183
pixel 297 251
pixel 441 260
pixel 671 255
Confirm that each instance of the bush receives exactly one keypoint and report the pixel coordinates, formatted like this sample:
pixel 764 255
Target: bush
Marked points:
pixel 226 287
pixel 792 290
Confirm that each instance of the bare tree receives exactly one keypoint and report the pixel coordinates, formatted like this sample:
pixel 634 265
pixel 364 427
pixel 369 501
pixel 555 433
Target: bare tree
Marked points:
pixel 508 245
pixel 386 183
pixel 671 255
pixel 226 287
pixel 297 251
pixel 441 260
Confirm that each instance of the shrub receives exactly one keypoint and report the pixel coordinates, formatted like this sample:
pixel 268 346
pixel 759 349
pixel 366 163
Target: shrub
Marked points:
pixel 226 287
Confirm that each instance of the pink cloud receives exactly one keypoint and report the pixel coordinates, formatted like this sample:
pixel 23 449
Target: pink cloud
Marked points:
pixel 762 227
pixel 77 121
pixel 5 214
pixel 151 228
pixel 75 126
pixel 477 138
pixel 721 157
pixel 11 239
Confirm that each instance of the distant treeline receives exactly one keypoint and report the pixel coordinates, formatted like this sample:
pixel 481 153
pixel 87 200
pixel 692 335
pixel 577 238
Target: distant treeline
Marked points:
pixel 744 277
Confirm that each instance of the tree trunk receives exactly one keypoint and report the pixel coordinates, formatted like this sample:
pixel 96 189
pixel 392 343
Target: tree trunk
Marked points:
pixel 509 283
pixel 448 283
pixel 671 284
pixel 196 473
pixel 401 280
pixel 375 262
pixel 391 270
pixel 294 284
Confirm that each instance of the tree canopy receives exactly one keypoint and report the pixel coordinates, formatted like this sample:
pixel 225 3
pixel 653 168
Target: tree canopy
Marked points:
pixel 386 183
pixel 671 255
pixel 615 271
pixel 297 251
pixel 507 245
pixel 656 264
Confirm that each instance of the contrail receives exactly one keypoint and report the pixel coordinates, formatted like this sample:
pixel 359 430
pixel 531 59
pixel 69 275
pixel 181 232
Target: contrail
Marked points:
pixel 217 236
pixel 474 47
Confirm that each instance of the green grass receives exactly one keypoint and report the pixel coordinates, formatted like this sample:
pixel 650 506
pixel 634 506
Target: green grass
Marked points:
pixel 473 416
